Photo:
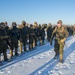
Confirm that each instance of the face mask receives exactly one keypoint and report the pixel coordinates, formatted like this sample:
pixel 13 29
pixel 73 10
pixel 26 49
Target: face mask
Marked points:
pixel 14 26
pixel 23 24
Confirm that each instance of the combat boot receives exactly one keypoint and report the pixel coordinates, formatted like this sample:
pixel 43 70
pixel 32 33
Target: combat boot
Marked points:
pixel 56 56
pixel 61 61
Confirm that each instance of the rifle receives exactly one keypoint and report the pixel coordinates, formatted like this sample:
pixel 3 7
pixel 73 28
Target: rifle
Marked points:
pixel 4 37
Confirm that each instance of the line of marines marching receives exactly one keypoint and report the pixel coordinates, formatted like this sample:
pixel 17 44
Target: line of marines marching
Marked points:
pixel 22 35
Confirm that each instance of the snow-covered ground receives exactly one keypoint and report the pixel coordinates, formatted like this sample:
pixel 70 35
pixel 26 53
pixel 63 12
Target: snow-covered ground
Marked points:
pixel 40 62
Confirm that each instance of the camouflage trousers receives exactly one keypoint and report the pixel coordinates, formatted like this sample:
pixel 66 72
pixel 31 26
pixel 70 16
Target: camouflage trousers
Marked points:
pixel 14 45
pixel 22 45
pixel 73 33
pixel 58 47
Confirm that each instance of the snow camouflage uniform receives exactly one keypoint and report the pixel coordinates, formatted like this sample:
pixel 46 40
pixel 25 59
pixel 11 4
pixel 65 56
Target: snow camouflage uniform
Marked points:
pixel 13 39
pixel 23 31
pixel 3 42
pixel 60 34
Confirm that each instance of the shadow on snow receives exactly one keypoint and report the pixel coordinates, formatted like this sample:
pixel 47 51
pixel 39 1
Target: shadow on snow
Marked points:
pixel 49 65
pixel 28 55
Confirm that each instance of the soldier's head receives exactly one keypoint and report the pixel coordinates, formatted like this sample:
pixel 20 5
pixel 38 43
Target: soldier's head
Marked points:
pixel 49 25
pixel 27 24
pixel 43 25
pixel 31 26
pixel 5 23
pixel 23 23
pixel 39 25
pixel 2 26
pixel 59 23
pixel 14 24
pixel 35 24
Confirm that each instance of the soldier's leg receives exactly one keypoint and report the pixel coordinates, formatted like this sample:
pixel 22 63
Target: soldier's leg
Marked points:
pixel 0 57
pixel 51 42
pixel 11 53
pixel 33 43
pixel 5 55
pixel 16 48
pixel 1 51
pixel 56 48
pixel 40 41
pixel 20 46
pixel 30 43
pixel 43 40
pixel 36 42
pixel 0 60
pixel 48 38
pixel 73 34
pixel 16 52
pixel 61 51
pixel 24 44
pixel 29 46
pixel 25 48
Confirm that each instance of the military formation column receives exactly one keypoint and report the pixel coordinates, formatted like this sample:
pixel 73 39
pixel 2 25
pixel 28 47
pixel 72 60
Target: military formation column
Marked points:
pixel 18 37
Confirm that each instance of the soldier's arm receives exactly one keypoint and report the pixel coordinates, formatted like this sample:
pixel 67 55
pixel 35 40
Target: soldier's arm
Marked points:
pixel 54 31
pixel 4 37
pixel 66 35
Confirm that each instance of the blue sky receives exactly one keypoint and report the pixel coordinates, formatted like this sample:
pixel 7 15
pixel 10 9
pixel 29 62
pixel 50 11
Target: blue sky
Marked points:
pixel 42 11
